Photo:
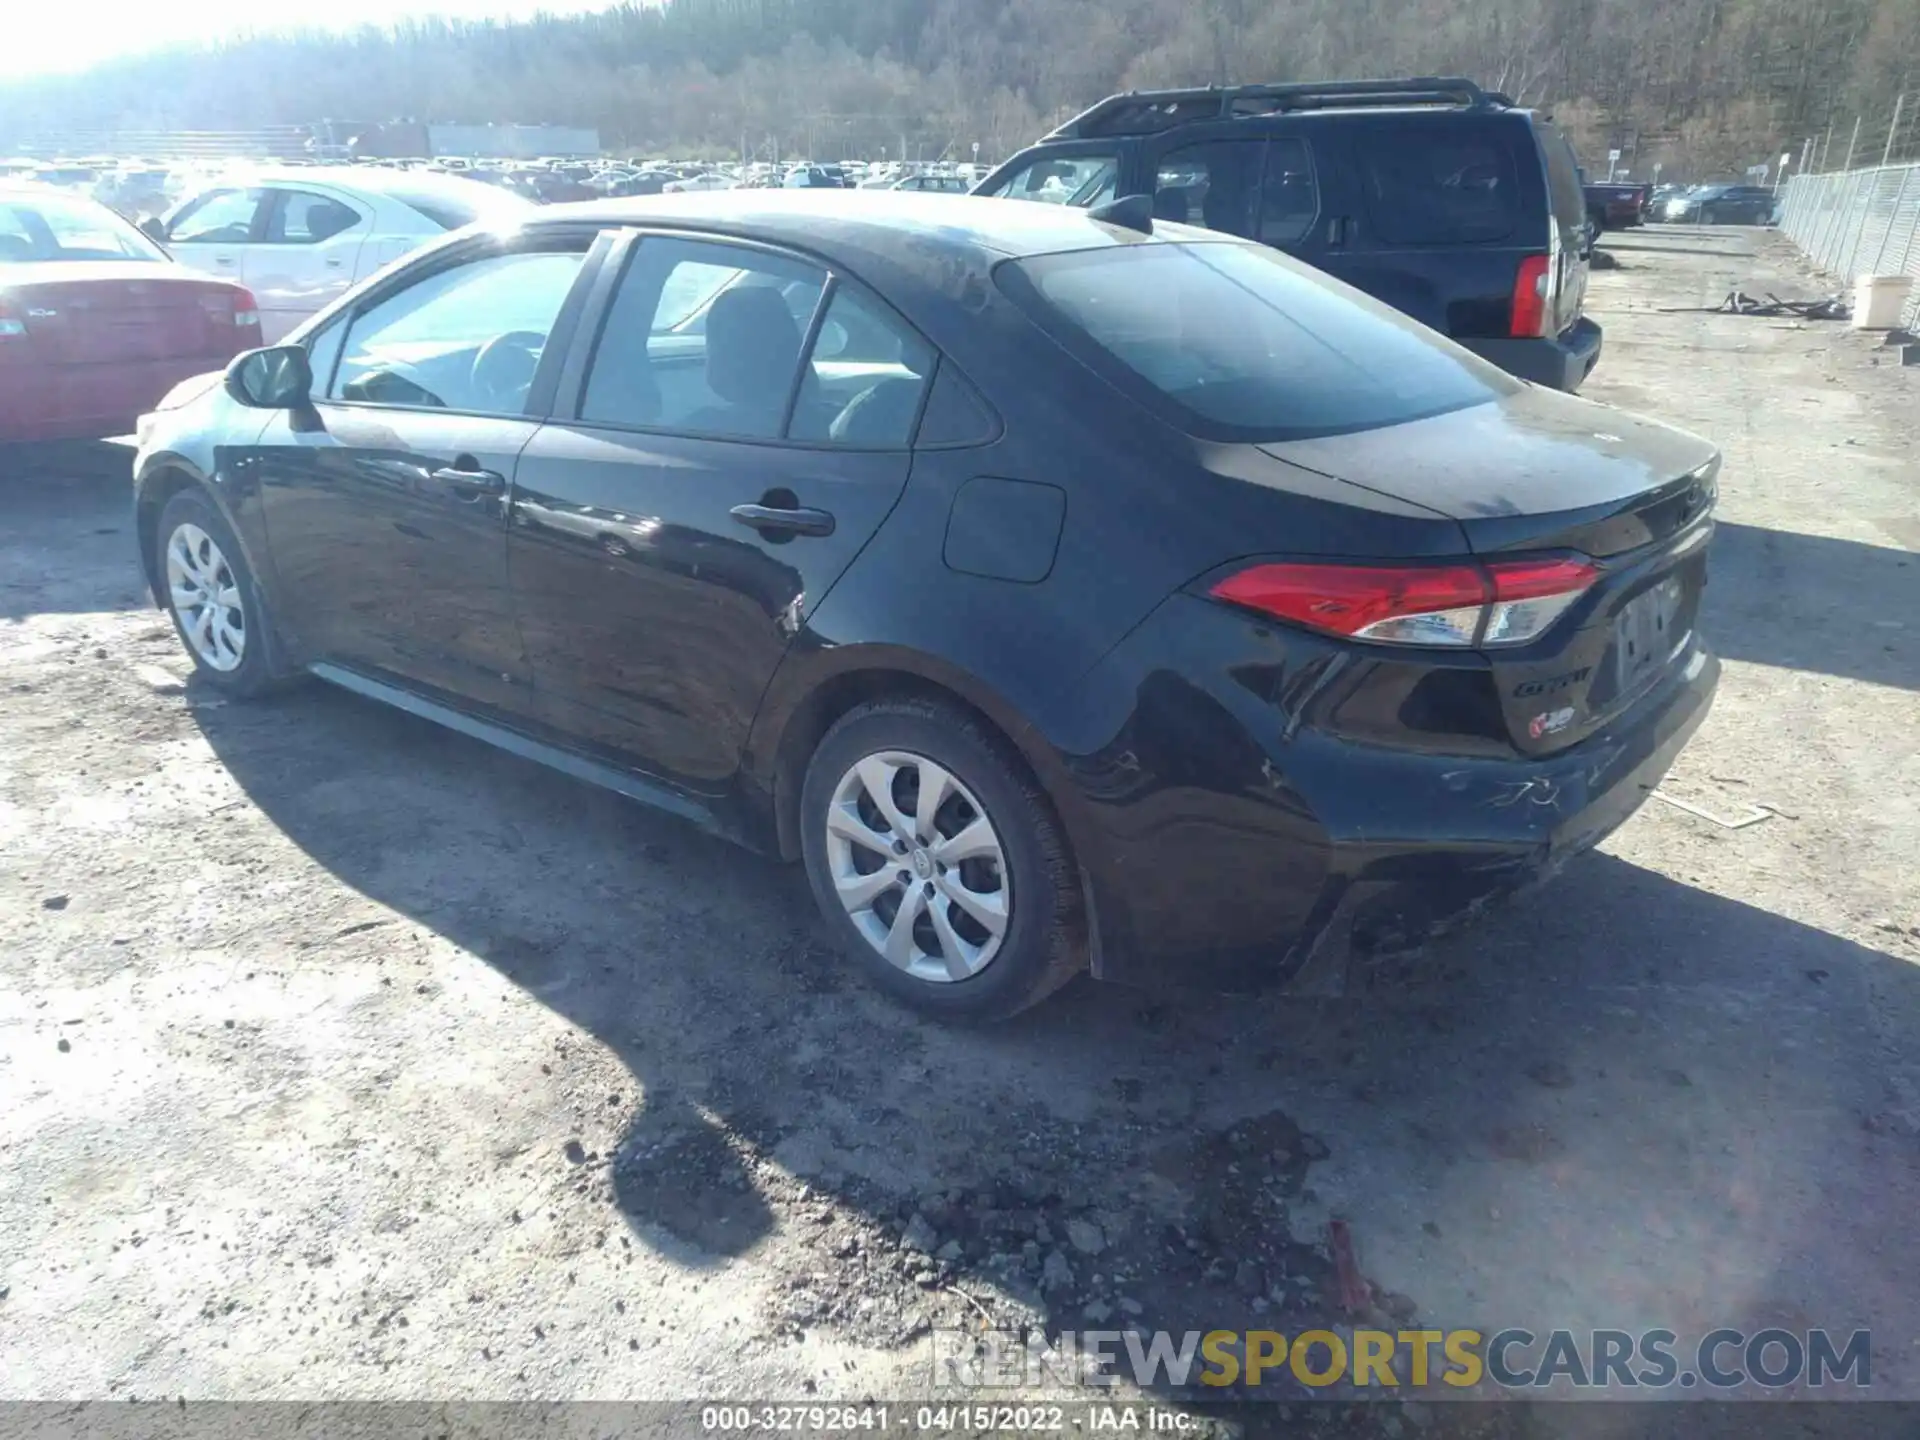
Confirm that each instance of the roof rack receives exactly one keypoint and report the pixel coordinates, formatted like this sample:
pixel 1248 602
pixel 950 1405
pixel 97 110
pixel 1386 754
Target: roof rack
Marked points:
pixel 1146 112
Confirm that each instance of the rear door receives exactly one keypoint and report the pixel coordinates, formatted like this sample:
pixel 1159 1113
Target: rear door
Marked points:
pixel 736 432
pixel 306 255
pixel 211 232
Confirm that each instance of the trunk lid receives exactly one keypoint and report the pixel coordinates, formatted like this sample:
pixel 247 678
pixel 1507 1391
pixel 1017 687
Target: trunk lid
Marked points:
pixel 91 313
pixel 1544 473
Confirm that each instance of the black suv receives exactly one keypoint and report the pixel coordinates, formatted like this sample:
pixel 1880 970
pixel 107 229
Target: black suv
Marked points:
pixel 1447 201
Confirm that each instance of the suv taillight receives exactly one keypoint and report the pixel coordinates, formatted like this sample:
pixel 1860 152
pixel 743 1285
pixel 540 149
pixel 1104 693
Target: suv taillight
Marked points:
pixel 1504 602
pixel 1530 290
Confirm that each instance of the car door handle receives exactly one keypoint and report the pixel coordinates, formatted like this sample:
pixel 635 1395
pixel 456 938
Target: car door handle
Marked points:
pixel 795 520
pixel 223 260
pixel 471 482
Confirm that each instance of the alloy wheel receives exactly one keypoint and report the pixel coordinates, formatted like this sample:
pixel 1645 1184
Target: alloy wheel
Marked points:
pixel 919 867
pixel 206 598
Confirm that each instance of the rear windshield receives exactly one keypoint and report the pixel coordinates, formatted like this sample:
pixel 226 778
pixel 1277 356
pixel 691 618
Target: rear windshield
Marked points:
pixel 1439 185
pixel 451 211
pixel 1239 342
pixel 56 228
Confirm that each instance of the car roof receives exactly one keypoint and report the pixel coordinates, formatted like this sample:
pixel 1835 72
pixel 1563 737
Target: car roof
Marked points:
pixel 897 225
pixel 368 179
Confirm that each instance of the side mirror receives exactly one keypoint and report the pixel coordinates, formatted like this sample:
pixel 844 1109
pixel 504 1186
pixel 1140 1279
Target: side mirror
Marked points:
pixel 152 228
pixel 276 378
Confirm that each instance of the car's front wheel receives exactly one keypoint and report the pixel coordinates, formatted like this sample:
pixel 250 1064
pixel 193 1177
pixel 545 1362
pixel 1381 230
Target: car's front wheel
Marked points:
pixel 212 597
pixel 939 862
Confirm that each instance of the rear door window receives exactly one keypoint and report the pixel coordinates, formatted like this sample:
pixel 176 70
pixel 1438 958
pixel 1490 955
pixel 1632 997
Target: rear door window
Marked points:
pixel 1212 183
pixel 865 378
pixel 1289 196
pixel 303 218
pixel 703 338
pixel 1432 185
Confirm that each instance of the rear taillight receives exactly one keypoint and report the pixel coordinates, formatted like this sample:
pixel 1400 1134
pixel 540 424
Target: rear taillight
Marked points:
pixel 1506 602
pixel 13 325
pixel 1531 287
pixel 233 305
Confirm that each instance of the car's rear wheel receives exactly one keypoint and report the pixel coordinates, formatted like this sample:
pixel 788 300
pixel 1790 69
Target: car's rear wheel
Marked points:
pixel 939 862
pixel 211 596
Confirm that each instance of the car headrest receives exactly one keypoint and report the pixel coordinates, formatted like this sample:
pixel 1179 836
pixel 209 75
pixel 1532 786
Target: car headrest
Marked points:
pixel 753 346
pixel 882 414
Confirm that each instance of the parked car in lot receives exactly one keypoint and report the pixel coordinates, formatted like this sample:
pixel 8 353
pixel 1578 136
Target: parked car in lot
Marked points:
pixel 934 184
pixel 1723 205
pixel 1062 594
pixel 96 323
pixel 298 238
pixel 1444 200
pixel 1616 206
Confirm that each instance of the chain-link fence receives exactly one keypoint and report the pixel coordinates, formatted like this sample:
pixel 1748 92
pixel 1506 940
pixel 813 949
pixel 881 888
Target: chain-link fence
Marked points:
pixel 1859 222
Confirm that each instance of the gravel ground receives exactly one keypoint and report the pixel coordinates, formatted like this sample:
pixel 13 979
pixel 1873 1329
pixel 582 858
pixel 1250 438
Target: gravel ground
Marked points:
pixel 342 1056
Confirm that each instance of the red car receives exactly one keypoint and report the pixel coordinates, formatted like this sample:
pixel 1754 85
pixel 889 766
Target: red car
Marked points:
pixel 97 322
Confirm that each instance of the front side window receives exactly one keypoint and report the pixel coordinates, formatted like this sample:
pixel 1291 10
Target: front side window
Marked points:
pixel 1083 179
pixel 1239 342
pixel 467 338
pixel 220 217
pixel 60 229
pixel 703 338
pixel 304 218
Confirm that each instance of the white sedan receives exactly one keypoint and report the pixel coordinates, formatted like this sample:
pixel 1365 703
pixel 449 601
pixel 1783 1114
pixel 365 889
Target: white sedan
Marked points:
pixel 297 238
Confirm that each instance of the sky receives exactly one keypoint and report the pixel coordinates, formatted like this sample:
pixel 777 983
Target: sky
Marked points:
pixel 39 37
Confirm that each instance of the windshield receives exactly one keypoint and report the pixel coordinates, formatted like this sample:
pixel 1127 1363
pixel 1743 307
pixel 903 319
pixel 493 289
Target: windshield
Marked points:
pixel 1239 342
pixel 55 228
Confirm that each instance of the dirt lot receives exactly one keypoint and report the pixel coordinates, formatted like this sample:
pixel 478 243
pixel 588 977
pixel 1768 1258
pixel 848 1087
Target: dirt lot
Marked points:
pixel 342 1056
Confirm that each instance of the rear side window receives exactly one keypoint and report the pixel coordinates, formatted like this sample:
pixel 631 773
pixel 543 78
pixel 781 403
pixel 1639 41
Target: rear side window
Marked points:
pixel 1563 177
pixel 1429 185
pixel 303 218
pixel 1239 342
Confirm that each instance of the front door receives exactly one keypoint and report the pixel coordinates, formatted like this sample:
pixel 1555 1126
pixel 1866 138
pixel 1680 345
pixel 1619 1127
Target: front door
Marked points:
pixel 212 232
pixel 386 504
pixel 741 431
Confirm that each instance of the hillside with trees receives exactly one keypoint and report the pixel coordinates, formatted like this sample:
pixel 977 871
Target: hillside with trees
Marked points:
pixel 1707 86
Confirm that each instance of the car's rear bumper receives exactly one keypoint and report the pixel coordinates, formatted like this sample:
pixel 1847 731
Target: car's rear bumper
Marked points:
pixel 90 402
pixel 1561 363
pixel 1222 848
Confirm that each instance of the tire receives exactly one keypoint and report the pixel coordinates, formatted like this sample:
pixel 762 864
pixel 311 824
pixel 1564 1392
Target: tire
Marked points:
pixel 950 965
pixel 195 553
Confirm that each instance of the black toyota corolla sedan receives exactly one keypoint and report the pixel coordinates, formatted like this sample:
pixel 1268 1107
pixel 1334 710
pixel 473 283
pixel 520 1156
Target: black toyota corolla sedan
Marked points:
pixel 1067 591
